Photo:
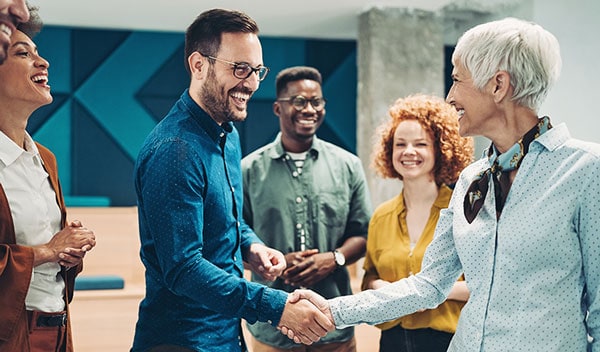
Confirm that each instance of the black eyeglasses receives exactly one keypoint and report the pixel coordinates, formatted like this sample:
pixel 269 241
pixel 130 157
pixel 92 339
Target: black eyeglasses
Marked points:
pixel 299 102
pixel 243 70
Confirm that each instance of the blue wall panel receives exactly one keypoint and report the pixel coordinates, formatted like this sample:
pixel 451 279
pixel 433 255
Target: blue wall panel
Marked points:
pixel 111 87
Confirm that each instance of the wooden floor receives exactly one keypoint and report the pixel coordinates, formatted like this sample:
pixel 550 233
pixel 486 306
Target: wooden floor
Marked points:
pixel 104 320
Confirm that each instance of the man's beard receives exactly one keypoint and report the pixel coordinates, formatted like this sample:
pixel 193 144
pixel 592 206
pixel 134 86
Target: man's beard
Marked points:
pixel 216 101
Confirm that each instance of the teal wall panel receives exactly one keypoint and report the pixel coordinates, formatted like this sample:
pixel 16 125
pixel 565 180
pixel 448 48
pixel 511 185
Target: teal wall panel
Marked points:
pixel 341 103
pixel 109 93
pixel 55 46
pixel 55 134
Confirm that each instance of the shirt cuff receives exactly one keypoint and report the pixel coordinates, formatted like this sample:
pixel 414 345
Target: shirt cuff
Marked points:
pixel 272 304
pixel 335 307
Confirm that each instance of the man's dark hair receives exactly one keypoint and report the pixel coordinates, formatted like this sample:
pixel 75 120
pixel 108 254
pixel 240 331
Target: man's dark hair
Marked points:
pixel 32 27
pixel 204 34
pixel 293 74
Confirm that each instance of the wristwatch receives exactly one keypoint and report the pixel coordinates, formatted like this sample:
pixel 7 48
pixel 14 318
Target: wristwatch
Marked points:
pixel 339 258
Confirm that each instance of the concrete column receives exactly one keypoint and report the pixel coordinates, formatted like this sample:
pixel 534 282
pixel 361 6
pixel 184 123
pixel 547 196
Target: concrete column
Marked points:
pixel 400 52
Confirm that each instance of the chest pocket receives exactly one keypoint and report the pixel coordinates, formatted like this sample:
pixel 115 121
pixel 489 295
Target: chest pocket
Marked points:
pixel 333 209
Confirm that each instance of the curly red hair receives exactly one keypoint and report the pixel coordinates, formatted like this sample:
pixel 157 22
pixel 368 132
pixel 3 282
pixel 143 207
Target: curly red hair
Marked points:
pixel 452 152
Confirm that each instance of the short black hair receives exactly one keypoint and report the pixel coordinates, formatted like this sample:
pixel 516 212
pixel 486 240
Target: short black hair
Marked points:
pixel 296 73
pixel 204 34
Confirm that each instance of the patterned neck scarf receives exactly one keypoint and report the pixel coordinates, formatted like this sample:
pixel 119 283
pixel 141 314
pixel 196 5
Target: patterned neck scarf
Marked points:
pixel 501 166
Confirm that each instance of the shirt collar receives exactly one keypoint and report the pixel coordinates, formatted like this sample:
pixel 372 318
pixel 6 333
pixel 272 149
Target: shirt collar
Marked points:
pixel 10 151
pixel 214 130
pixel 555 137
pixel 441 202
pixel 278 152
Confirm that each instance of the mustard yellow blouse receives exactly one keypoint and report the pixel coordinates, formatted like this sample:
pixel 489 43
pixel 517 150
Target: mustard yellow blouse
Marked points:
pixel 389 257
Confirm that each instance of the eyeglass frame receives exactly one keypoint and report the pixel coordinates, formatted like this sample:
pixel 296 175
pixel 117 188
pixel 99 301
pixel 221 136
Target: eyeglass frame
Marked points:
pixel 235 66
pixel 306 101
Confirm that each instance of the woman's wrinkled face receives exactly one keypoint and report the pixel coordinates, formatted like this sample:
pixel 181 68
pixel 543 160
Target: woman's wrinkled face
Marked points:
pixel 474 106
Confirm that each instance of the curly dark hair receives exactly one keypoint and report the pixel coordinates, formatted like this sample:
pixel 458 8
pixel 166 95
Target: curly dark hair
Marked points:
pixel 32 27
pixel 452 152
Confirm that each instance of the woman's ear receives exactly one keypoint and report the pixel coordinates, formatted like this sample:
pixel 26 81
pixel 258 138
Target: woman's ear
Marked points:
pixel 501 88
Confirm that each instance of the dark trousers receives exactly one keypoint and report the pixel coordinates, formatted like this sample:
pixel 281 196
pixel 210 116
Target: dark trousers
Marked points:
pixel 398 339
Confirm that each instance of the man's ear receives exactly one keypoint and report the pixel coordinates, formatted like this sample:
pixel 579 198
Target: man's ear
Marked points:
pixel 501 86
pixel 276 108
pixel 196 64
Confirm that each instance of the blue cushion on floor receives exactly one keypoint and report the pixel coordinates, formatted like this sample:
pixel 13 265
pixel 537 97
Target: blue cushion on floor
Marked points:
pixel 99 282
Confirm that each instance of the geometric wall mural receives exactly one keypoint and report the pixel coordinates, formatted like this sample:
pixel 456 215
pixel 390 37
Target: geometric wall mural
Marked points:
pixel 111 87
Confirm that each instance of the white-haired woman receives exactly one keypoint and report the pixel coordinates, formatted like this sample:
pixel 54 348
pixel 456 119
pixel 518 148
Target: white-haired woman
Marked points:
pixel 523 222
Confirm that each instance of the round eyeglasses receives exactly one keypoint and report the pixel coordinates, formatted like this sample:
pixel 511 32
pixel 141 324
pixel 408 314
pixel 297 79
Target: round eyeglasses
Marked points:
pixel 299 102
pixel 243 70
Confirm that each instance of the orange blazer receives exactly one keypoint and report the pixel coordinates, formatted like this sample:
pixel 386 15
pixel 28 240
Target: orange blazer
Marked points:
pixel 16 267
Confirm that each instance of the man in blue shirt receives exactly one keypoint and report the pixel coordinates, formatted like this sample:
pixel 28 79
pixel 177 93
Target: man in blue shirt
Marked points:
pixel 189 187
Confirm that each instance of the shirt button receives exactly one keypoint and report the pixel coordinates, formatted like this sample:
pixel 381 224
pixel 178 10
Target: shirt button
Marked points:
pixel 298 226
pixel 298 199
pixel 222 134
pixel 295 173
pixel 270 321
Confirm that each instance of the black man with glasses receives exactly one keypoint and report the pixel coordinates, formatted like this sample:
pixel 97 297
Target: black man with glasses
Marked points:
pixel 308 199
pixel 188 180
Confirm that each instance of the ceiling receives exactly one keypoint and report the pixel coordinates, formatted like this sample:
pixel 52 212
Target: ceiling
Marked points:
pixel 326 19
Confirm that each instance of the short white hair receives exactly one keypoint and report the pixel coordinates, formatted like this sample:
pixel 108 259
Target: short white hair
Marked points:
pixel 529 53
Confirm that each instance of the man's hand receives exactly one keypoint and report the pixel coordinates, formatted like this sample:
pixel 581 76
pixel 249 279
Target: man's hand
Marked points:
pixel 299 296
pixel 306 268
pixel 267 262
pixel 303 320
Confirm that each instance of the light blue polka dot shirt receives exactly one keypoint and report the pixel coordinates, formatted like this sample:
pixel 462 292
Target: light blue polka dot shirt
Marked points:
pixel 533 275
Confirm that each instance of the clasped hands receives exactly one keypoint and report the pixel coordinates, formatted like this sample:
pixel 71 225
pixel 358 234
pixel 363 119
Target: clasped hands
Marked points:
pixel 68 246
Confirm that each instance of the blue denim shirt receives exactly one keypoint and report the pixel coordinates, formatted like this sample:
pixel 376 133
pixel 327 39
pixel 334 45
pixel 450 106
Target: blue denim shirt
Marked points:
pixel 189 189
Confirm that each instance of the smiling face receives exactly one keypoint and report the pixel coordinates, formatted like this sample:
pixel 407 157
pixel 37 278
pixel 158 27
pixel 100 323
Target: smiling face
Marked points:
pixel 413 154
pixel 222 95
pixel 24 76
pixel 299 127
pixel 474 106
pixel 11 13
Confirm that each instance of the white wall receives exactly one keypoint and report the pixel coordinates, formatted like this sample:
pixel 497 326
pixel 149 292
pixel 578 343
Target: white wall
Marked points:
pixel 576 25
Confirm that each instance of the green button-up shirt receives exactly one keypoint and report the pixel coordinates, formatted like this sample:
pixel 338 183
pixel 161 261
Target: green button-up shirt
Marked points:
pixel 318 206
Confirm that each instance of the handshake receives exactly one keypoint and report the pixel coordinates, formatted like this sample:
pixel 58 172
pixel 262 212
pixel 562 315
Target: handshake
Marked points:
pixel 306 317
